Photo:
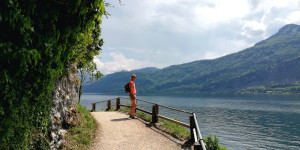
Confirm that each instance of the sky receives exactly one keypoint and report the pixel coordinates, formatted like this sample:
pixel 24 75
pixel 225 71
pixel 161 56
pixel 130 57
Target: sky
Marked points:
pixel 161 33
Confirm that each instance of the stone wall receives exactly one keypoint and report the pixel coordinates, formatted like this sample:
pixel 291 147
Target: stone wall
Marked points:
pixel 63 113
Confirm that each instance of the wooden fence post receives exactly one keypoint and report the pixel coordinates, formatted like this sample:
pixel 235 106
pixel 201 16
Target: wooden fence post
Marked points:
pixel 108 105
pixel 93 106
pixel 155 113
pixel 118 103
pixel 192 126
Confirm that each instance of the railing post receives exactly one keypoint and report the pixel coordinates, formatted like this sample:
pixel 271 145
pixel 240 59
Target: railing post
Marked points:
pixel 108 105
pixel 196 146
pixel 93 106
pixel 118 103
pixel 155 113
pixel 192 126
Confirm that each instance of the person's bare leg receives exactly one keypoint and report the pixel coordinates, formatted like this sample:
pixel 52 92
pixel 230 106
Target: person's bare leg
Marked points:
pixel 132 108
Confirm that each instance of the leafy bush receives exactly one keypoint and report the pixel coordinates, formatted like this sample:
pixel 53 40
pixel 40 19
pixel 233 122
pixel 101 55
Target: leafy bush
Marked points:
pixel 37 43
pixel 213 144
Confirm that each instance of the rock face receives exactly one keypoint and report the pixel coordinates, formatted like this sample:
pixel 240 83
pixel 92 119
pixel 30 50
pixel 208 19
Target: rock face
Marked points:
pixel 63 113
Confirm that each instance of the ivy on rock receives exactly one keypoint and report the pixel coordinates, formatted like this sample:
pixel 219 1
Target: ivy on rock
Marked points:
pixel 38 40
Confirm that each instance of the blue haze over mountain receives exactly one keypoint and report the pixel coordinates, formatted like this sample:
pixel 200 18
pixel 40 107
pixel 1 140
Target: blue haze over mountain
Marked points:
pixel 274 62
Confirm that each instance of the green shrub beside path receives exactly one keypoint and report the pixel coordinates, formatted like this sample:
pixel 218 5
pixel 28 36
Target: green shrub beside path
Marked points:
pixel 81 136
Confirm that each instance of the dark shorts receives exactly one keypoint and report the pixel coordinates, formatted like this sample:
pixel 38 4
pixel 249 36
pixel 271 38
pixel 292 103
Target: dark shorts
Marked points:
pixel 132 97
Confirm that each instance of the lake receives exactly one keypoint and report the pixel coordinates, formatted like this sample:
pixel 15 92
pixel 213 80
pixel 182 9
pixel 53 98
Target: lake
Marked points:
pixel 240 122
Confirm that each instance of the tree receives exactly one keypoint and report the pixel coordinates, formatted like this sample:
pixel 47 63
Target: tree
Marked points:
pixel 84 54
pixel 89 70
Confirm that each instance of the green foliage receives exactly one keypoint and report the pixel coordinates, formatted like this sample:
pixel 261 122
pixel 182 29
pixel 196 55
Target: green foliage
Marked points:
pixel 81 136
pixel 276 59
pixel 144 116
pixel 175 129
pixel 124 110
pixel 39 141
pixel 88 70
pixel 84 53
pixel 273 88
pixel 213 144
pixel 39 40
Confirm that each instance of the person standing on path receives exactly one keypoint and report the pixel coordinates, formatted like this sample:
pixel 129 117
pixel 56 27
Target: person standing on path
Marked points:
pixel 132 96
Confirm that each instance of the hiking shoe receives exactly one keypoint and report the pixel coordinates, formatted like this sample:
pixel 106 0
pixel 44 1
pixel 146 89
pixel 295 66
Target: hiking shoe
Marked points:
pixel 133 117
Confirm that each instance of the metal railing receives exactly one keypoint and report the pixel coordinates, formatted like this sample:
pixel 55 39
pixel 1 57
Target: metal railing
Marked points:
pixel 198 134
pixel 196 137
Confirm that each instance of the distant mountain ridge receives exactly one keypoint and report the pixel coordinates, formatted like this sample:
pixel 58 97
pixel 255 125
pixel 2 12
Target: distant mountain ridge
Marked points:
pixel 147 69
pixel 273 61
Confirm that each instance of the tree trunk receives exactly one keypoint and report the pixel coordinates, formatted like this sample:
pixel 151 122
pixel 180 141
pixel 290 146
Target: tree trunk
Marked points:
pixel 80 92
pixel 82 78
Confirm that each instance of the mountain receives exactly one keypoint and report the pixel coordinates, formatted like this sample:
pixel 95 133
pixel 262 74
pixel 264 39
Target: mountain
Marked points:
pixel 148 69
pixel 274 61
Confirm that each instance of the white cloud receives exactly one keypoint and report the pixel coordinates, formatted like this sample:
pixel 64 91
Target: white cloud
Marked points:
pixel 253 28
pixel 210 55
pixel 294 17
pixel 275 14
pixel 165 32
pixel 222 11
pixel 228 47
pixel 120 63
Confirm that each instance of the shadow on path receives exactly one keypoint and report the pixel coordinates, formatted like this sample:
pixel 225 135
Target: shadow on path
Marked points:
pixel 121 119
pixel 185 145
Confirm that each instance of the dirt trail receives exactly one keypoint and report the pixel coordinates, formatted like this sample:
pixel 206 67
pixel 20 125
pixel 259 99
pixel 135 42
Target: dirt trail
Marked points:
pixel 117 132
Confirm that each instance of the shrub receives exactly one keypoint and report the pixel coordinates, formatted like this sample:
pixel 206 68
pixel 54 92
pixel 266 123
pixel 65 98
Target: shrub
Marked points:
pixel 213 144
pixel 80 137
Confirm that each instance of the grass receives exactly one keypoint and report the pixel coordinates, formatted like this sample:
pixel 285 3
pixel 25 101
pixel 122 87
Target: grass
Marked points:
pixel 144 116
pixel 82 135
pixel 173 129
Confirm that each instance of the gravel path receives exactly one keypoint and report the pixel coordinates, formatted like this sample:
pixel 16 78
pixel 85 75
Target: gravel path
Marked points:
pixel 117 132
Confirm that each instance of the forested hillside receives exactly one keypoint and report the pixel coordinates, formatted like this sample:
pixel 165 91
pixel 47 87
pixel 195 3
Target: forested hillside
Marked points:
pixel 274 61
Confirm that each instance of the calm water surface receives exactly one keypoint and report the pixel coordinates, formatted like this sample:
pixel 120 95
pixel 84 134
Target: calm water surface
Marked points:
pixel 240 122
